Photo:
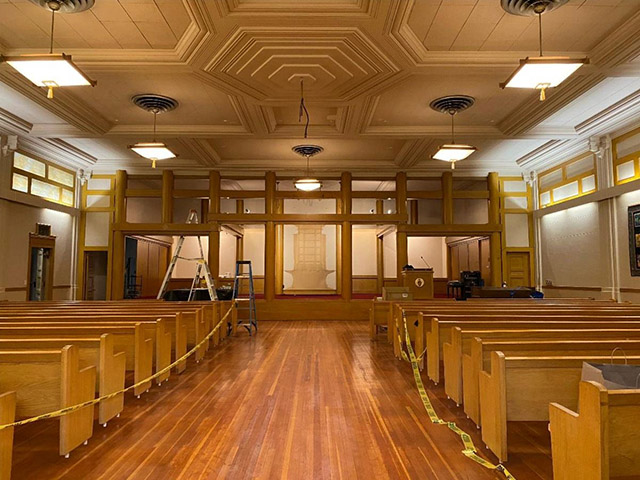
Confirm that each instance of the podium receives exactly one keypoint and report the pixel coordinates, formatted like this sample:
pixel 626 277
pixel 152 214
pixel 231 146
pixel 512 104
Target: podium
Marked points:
pixel 419 282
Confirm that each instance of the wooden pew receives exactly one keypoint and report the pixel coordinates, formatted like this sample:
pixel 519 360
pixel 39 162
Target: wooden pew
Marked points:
pixel 131 339
pixel 44 381
pixel 521 388
pixel 7 415
pixel 186 330
pixel 439 331
pixel 98 351
pixel 415 314
pixel 602 442
pixel 473 354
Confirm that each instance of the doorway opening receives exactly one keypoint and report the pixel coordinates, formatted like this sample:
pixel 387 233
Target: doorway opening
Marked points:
pixel 95 275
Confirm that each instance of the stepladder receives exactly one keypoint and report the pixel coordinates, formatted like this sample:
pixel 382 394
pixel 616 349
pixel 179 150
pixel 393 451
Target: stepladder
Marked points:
pixel 202 267
pixel 244 299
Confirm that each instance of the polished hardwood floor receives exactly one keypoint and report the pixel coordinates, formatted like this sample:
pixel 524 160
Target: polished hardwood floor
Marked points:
pixel 301 400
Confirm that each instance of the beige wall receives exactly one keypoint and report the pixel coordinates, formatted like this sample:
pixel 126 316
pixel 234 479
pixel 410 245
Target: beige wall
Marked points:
pixel 253 247
pixel 434 251
pixel 365 260
pixel 16 221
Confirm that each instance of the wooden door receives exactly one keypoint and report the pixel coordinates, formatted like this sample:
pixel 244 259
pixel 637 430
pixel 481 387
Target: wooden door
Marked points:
pixel 518 271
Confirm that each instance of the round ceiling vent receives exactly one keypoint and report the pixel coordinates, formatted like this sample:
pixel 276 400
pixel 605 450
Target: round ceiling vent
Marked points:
pixel 307 150
pixel 452 103
pixel 527 8
pixel 65 6
pixel 154 103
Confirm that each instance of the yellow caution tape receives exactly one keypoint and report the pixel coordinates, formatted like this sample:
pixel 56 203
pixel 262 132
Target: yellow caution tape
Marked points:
pixel 469 448
pixel 88 403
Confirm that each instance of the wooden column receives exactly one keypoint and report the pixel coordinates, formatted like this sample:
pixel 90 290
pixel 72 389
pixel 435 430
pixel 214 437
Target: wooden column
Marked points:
pixel 495 259
pixel 117 242
pixel 239 206
pixel 401 194
pixel 270 239
pixel 214 192
pixel 494 219
pixel 239 248
pixel 401 238
pixel 120 201
pixel 379 264
pixel 117 266
pixel 214 252
pixel 346 238
pixel 494 198
pixel 167 197
pixel 413 212
pixel 279 249
pixel 402 256
pixel 447 198
pixel 214 234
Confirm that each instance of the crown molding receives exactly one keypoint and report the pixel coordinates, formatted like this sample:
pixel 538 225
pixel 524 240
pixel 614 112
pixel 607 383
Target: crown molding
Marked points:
pixel 57 151
pixel 412 152
pixel 202 150
pixel 552 153
pixel 237 8
pixel 13 124
pixel 434 131
pixel 168 131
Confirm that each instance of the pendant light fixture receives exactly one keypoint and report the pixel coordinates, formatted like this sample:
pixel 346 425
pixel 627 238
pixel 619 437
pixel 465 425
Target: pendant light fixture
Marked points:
pixel 53 70
pixel 541 72
pixel 453 152
pixel 307 183
pixel 155 104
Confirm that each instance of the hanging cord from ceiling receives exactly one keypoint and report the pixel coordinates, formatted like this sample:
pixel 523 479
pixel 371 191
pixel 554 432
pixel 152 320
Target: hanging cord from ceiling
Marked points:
pixel 303 110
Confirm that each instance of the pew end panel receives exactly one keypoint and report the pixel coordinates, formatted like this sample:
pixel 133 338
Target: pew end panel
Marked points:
pixel 433 350
pixel 143 359
pixel 7 415
pixel 602 442
pixel 452 359
pixel 181 342
pixel 163 348
pixel 111 378
pixel 493 391
pixel 78 385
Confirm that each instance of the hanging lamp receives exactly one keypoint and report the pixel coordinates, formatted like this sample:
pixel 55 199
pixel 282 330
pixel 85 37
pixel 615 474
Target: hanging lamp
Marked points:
pixel 53 70
pixel 541 72
pixel 155 104
pixel 453 152
pixel 307 183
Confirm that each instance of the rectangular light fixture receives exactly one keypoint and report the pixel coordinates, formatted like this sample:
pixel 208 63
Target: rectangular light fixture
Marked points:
pixel 49 70
pixel 453 152
pixel 153 150
pixel 543 72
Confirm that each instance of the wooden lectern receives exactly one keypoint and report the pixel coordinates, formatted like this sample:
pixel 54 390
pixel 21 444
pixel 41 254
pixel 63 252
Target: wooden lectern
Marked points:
pixel 419 282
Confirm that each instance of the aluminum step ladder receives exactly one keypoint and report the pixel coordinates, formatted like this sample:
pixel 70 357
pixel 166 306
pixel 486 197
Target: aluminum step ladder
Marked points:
pixel 202 269
pixel 245 301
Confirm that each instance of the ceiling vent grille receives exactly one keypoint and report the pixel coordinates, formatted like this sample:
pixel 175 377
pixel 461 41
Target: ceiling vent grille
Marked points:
pixel 65 6
pixel 154 103
pixel 452 103
pixel 528 8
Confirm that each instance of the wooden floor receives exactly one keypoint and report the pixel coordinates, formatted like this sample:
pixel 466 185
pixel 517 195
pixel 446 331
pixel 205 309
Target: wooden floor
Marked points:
pixel 302 400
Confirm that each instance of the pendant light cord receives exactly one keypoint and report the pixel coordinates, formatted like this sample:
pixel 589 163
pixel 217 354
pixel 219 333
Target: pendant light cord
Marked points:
pixel 453 140
pixel 303 109
pixel 53 17
pixel 540 30
pixel 155 119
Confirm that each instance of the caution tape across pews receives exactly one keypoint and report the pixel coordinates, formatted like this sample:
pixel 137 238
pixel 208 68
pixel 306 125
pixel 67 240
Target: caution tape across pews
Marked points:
pixel 88 403
pixel 469 448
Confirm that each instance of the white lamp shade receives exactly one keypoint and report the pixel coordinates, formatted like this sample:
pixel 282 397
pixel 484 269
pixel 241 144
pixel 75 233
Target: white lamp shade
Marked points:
pixel 453 152
pixel 543 72
pixel 153 150
pixel 52 70
pixel 308 184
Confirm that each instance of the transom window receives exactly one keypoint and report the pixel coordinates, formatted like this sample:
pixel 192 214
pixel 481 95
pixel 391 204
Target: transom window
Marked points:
pixel 43 179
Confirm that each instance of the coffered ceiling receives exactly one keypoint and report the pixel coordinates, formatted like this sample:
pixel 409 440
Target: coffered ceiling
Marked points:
pixel 370 69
